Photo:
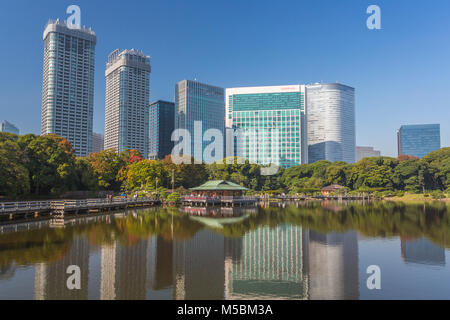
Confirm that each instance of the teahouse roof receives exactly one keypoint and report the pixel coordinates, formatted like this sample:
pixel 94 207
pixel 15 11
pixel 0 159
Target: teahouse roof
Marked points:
pixel 219 185
pixel 332 187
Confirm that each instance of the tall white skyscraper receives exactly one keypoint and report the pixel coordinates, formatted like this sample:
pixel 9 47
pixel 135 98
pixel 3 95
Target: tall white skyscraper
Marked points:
pixel 68 84
pixel 330 113
pixel 127 101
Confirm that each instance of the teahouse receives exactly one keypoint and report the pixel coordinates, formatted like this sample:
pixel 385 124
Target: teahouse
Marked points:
pixel 331 189
pixel 218 188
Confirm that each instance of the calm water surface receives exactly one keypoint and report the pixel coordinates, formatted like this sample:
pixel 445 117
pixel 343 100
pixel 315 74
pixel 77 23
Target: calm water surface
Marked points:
pixel 318 250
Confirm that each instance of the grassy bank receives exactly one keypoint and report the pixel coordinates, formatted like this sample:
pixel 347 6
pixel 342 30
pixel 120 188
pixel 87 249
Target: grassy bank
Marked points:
pixel 416 198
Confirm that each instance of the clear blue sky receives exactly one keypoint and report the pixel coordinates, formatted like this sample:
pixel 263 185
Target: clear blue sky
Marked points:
pixel 401 73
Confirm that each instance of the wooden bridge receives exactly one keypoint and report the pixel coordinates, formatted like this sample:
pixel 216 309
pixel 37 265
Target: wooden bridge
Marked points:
pixel 9 210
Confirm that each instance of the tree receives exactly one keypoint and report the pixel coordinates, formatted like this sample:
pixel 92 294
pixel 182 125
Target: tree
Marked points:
pixel 338 173
pixel 407 177
pixel 106 165
pixel 376 172
pixel 306 176
pixel 438 168
pixel 186 175
pixel 14 177
pixel 51 163
pixel 148 174
pixel 86 178
pixel 238 171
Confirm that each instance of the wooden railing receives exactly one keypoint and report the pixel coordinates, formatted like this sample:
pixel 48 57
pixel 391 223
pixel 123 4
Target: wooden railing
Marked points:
pixel 68 205
pixel 24 206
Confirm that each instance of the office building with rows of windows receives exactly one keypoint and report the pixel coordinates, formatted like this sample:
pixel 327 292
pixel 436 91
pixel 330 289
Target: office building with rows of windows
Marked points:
pixel 272 124
pixel 418 140
pixel 98 141
pixel 162 123
pixel 127 101
pixel 366 152
pixel 195 101
pixel 68 84
pixel 6 126
pixel 331 122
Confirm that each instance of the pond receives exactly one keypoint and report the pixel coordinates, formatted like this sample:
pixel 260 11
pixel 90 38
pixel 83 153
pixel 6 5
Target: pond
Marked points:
pixel 307 250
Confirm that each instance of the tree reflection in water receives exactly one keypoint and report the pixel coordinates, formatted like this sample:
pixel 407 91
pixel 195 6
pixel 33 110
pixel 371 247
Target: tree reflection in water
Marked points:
pixel 175 235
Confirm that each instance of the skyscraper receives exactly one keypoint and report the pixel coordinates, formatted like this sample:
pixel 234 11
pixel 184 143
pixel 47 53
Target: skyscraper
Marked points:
pixel 195 101
pixel 98 141
pixel 127 101
pixel 162 124
pixel 418 140
pixel 331 122
pixel 272 122
pixel 366 152
pixel 68 84
pixel 8 127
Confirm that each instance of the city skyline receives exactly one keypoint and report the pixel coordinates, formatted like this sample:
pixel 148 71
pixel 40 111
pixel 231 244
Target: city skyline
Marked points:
pixel 406 105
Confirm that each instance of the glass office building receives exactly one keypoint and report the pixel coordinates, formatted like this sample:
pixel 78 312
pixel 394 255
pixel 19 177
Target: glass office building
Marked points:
pixel 331 122
pixel 162 124
pixel 68 84
pixel 195 101
pixel 127 101
pixel 272 124
pixel 8 127
pixel 418 140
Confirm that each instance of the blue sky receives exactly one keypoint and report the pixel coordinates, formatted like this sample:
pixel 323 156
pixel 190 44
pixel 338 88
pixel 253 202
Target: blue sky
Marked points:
pixel 401 73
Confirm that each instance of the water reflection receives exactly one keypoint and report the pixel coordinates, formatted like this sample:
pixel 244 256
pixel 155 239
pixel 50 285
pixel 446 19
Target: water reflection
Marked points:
pixel 333 265
pixel 307 251
pixel 422 251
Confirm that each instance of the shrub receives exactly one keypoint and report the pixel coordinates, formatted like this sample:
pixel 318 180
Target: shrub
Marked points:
pixel 438 195
pixel 173 197
pixel 447 192
pixel 388 194
pixel 378 195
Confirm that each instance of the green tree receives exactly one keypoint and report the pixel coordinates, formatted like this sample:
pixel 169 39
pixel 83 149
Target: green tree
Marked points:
pixel 338 173
pixel 86 177
pixel 148 174
pixel 14 177
pixel 438 163
pixel 376 172
pixel 407 176
pixel 51 163
pixel 306 176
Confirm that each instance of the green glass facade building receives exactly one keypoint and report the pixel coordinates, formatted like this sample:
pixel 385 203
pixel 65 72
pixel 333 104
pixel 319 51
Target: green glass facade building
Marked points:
pixel 272 124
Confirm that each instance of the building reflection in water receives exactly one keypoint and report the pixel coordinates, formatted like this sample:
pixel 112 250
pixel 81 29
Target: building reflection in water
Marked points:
pixel 51 278
pixel 266 264
pixel 199 269
pixel 422 251
pixel 332 265
pixel 281 262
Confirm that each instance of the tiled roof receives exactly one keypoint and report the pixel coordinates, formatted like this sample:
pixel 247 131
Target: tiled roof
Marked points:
pixel 223 185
